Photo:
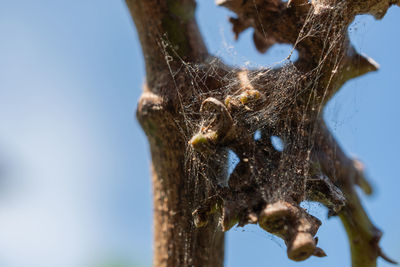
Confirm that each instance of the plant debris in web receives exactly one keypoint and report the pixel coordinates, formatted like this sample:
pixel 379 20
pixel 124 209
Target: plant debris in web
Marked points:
pixel 224 109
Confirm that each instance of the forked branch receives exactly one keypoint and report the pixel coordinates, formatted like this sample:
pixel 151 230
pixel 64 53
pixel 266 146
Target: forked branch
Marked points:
pixel 194 109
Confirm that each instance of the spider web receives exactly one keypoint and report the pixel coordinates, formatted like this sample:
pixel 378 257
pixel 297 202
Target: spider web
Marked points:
pixel 215 169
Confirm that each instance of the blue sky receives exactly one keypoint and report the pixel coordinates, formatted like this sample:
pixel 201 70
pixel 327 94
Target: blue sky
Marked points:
pixel 74 163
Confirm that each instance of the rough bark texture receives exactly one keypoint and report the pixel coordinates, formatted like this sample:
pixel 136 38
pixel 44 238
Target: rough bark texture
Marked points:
pixel 229 106
pixel 176 241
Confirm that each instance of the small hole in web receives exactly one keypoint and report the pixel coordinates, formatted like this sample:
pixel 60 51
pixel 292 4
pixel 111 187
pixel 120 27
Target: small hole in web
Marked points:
pixel 277 143
pixel 314 208
pixel 233 160
pixel 257 135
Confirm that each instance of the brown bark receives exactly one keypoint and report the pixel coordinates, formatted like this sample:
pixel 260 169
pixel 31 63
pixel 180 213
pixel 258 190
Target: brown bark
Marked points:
pixel 267 186
pixel 161 24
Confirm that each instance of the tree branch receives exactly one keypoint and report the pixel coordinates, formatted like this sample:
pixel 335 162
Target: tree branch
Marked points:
pixel 167 31
pixel 347 173
pixel 194 108
pixel 170 37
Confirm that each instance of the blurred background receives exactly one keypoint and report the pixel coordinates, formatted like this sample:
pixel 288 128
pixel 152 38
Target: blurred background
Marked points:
pixel 74 163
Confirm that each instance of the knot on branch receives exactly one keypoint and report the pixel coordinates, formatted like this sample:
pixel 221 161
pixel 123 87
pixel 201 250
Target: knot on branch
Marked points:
pixel 215 126
pixel 294 225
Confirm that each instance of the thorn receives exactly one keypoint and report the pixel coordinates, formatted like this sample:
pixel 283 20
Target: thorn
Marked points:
pixel 319 252
pixel 360 178
pixel 385 257
pixel 360 64
pixel 262 43
pixel 238 26
pixel 371 62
